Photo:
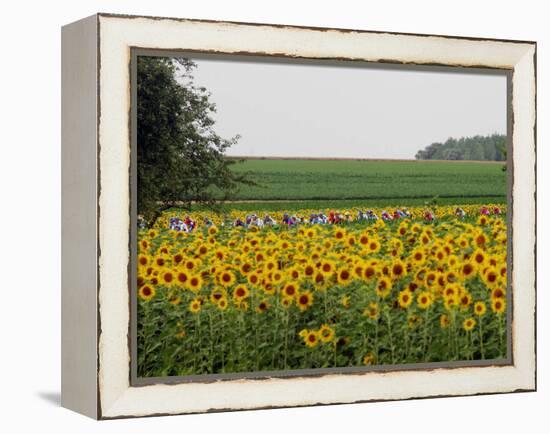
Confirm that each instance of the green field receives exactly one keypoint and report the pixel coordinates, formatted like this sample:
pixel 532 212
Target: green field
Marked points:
pixel 369 182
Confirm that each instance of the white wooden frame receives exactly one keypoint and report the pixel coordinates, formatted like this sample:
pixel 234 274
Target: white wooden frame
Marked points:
pixel 96 219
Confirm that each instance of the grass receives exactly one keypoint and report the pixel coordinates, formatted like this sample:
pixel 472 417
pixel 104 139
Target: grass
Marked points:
pixel 302 183
pixel 281 179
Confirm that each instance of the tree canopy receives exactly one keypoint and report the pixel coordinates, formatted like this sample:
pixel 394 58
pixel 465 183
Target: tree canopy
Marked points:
pixel 180 158
pixel 491 148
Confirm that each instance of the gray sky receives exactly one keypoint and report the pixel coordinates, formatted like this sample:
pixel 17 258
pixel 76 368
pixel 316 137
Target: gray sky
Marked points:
pixel 285 109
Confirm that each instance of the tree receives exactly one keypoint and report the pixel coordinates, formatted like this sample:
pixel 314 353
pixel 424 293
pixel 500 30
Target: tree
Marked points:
pixel 180 158
pixel 466 148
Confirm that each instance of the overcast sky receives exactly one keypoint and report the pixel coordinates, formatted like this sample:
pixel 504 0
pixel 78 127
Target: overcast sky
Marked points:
pixel 286 109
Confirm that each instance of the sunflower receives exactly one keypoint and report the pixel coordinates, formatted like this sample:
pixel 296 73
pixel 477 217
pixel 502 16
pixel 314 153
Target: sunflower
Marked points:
pixel 194 283
pixel 371 311
pixel 326 333
pixel 309 269
pixel 424 300
pixel 398 270
pixel 451 277
pixel 217 294
pixel 220 254
pixel 339 234
pixel 480 308
pixel 241 305
pixel 469 324
pixel 451 291
pixel 440 254
pixel 420 276
pixel 226 278
pixel 168 277
pixel 191 265
pixel 294 273
pixel 482 220
pixel 418 256
pixel 304 300
pixel 452 262
pixel 212 230
pixel 246 268
pixel 462 242
pixel 202 249
pixel 140 280
pixel 222 304
pixel 327 244
pixel 431 278
pixel 405 298
pixel 290 289
pixel 345 301
pixel 490 277
pixel 144 244
pixel 374 246
pixel 465 299
pixel 177 258
pixel 271 265
pixel 383 287
pixel 369 272
pixel 195 305
pixel 479 257
pixel 369 359
pixel 311 338
pixel 344 276
pixel 173 298
pixel 160 261
pixel 253 279
pixel 262 306
pixel 241 292
pixel 277 276
pixel 358 269
pixel 497 293
pixel 468 269
pixel 498 305
pixel 451 302
pixel 364 239
pixel 416 228
pixel 147 292
pixel 351 241
pixel 480 239
pixel 143 260
pixel 444 321
pixel 327 267
pixel 286 302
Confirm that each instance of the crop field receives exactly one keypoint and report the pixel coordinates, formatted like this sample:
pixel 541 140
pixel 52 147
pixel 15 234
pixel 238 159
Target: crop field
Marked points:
pixel 373 181
pixel 224 299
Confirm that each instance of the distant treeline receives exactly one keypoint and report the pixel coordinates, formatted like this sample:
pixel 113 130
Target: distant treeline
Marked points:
pixel 490 148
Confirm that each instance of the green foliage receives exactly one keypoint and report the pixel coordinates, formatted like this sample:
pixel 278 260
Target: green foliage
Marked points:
pixel 483 148
pixel 371 181
pixel 180 157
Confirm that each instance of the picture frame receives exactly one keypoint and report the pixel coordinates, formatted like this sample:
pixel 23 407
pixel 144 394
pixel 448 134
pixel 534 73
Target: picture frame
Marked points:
pixel 97 57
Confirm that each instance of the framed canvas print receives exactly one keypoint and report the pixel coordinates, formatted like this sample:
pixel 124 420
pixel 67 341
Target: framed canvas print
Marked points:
pixel 262 216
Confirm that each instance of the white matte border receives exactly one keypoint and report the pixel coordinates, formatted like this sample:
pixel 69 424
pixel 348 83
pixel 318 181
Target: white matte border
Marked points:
pixel 117 35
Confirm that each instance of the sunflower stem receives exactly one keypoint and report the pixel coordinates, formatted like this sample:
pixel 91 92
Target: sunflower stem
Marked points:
pixel 425 336
pixel 390 334
pixel 481 349
pixel 211 355
pixel 500 337
pixel 286 340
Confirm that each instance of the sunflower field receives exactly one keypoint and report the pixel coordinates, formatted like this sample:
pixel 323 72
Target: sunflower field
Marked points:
pixel 223 299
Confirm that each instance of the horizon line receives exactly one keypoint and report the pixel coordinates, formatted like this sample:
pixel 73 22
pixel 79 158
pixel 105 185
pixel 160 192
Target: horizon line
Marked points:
pixel 280 157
